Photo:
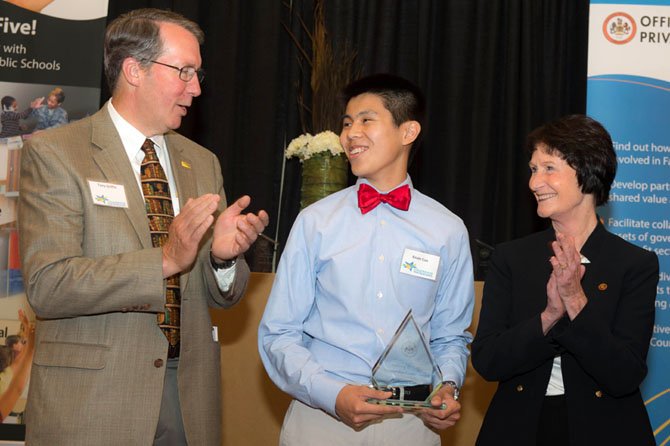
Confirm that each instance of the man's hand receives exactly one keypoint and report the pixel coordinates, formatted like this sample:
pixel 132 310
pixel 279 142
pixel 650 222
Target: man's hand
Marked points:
pixel 186 231
pixel 438 418
pixel 235 232
pixel 353 409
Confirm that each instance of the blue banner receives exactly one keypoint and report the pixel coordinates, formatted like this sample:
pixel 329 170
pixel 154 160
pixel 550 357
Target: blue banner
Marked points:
pixel 629 92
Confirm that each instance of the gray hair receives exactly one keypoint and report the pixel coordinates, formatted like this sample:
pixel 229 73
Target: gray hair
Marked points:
pixel 136 34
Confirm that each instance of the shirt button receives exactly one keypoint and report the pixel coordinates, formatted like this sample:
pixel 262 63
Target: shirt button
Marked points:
pixel 599 394
pixel 380 331
pixel 383 222
pixel 380 295
pixel 158 363
pixel 519 388
pixel 381 258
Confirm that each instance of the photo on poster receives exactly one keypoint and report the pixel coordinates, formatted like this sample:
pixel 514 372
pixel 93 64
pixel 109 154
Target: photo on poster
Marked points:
pixel 27 108
pixel 51 68
pixel 17 327
pixel 66 9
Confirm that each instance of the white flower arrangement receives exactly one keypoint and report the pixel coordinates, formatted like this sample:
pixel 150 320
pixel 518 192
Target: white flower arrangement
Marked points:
pixel 306 145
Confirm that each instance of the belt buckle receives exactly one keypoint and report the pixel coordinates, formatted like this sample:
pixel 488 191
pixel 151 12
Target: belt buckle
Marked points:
pixel 417 393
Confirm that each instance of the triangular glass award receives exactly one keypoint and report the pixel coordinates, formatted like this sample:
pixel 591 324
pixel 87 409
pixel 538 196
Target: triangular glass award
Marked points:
pixel 407 368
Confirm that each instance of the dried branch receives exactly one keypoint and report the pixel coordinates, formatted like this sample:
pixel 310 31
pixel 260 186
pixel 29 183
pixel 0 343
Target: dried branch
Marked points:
pixel 297 44
pixel 330 71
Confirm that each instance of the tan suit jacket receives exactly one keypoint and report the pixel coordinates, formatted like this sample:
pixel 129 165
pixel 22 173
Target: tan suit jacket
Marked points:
pixel 95 283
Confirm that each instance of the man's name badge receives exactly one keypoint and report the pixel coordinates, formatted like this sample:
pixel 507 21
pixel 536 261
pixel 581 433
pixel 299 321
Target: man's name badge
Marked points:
pixel 407 368
pixel 419 264
pixel 108 194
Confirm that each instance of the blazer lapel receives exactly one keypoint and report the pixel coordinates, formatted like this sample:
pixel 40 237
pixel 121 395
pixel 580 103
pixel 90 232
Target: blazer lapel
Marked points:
pixel 182 169
pixel 110 156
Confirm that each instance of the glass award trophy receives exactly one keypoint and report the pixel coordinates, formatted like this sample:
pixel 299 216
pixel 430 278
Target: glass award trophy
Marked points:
pixel 407 368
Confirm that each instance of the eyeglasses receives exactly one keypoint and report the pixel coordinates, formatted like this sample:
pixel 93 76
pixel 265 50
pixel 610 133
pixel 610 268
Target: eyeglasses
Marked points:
pixel 185 73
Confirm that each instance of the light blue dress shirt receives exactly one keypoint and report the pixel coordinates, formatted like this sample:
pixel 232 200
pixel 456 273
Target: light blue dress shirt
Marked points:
pixel 339 295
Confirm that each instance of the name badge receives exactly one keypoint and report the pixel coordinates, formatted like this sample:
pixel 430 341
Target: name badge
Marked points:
pixel 108 194
pixel 419 264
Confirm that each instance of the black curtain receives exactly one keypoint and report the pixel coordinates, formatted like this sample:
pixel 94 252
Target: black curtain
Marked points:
pixel 492 70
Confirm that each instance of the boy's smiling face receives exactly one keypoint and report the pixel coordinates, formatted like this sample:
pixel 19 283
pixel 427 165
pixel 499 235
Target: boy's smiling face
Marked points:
pixel 377 149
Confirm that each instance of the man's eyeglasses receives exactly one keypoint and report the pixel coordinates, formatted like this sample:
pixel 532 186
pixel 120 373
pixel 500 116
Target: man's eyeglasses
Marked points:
pixel 185 73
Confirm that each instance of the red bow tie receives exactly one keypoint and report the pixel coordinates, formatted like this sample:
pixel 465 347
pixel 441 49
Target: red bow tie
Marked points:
pixel 369 198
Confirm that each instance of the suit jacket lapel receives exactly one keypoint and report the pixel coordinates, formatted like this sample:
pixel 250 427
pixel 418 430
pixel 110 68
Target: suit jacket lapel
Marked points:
pixel 181 169
pixel 184 178
pixel 110 156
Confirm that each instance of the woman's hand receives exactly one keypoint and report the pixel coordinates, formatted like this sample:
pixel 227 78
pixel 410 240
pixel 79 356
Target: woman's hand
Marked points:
pixel 568 272
pixel 555 308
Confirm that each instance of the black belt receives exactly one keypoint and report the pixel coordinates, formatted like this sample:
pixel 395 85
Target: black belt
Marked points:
pixel 410 393
pixel 173 350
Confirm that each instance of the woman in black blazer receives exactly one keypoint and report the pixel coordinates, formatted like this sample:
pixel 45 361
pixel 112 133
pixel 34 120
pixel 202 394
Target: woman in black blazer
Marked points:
pixel 567 313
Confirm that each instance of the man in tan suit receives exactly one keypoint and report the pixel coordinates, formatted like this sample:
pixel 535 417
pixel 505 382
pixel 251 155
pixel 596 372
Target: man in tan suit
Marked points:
pixel 101 371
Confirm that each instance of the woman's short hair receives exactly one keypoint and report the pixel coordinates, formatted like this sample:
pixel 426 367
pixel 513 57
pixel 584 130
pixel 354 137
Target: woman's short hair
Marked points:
pixel 586 146
pixel 59 94
pixel 136 34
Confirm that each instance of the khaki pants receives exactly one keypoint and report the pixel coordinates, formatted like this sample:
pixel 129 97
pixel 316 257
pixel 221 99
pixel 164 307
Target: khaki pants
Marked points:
pixel 304 425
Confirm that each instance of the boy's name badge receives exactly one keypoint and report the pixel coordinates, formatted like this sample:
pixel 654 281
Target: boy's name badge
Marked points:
pixel 419 264
pixel 108 194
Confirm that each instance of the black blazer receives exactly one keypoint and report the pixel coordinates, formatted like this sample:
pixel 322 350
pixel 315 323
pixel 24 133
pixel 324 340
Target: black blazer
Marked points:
pixel 603 350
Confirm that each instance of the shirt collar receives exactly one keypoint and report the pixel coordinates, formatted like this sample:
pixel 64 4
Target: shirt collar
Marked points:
pixel 131 138
pixel 591 246
pixel 407 181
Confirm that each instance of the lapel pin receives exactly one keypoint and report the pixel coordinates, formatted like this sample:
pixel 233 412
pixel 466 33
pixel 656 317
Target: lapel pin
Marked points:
pixel 185 164
pixel 602 286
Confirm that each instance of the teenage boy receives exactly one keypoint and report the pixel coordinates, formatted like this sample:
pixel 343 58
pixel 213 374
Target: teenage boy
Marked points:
pixel 342 287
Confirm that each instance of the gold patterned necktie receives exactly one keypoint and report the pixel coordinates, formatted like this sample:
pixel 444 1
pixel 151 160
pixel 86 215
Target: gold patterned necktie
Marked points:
pixel 158 203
